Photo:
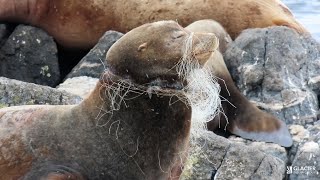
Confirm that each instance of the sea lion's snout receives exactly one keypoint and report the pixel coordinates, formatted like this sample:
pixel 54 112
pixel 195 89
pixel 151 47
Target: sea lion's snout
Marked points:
pixel 203 45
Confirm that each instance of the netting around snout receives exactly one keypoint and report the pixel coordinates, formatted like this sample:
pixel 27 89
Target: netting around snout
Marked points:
pixel 202 91
pixel 203 96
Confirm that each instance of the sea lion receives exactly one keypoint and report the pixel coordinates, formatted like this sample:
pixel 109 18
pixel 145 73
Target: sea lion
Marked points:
pixel 239 116
pixel 212 26
pixel 134 125
pixel 79 24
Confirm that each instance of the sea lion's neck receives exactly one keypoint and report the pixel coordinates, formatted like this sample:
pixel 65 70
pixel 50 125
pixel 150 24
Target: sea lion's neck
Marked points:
pixel 152 123
pixel 93 104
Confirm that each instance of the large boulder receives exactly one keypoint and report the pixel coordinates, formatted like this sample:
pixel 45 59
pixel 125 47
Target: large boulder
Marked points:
pixel 13 93
pixel 81 86
pixel 92 65
pixel 30 55
pixel 215 157
pixel 278 70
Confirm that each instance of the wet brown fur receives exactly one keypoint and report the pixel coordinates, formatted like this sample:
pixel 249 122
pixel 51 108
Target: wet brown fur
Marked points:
pixel 79 24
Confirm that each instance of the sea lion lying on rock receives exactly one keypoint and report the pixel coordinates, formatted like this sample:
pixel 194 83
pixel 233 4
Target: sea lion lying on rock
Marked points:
pixel 80 24
pixel 134 125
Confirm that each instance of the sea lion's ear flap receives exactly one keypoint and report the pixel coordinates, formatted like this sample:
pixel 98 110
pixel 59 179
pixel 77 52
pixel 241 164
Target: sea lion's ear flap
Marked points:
pixel 260 131
pixel 142 47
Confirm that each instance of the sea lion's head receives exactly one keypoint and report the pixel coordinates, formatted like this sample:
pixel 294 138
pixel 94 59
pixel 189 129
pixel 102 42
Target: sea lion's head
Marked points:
pixel 166 59
pixel 149 54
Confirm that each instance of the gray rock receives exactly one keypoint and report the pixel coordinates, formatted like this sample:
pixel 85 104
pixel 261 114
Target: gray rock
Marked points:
pixel 205 156
pixel 305 152
pixel 13 92
pixel 92 65
pixel 215 157
pixel 300 135
pixel 80 86
pixel 243 162
pixel 30 55
pixel 269 168
pixel 306 163
pixel 314 132
pixel 274 68
pixel 268 148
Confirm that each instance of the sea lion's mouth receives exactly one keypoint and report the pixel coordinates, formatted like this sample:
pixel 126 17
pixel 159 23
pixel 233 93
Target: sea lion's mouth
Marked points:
pixel 155 85
pixel 203 55
pixel 165 84
pixel 200 46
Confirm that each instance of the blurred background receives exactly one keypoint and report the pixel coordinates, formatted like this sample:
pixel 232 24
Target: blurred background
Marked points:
pixel 308 13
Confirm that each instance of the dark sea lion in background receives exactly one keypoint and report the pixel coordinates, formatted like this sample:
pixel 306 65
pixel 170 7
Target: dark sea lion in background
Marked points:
pixel 80 23
pixel 244 119
pixel 134 125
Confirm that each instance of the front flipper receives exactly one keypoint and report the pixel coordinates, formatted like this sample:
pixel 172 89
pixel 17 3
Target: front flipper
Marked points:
pixel 260 126
pixel 244 119
pixel 249 122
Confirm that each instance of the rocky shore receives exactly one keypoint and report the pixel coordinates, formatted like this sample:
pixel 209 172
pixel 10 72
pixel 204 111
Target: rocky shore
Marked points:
pixel 274 67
